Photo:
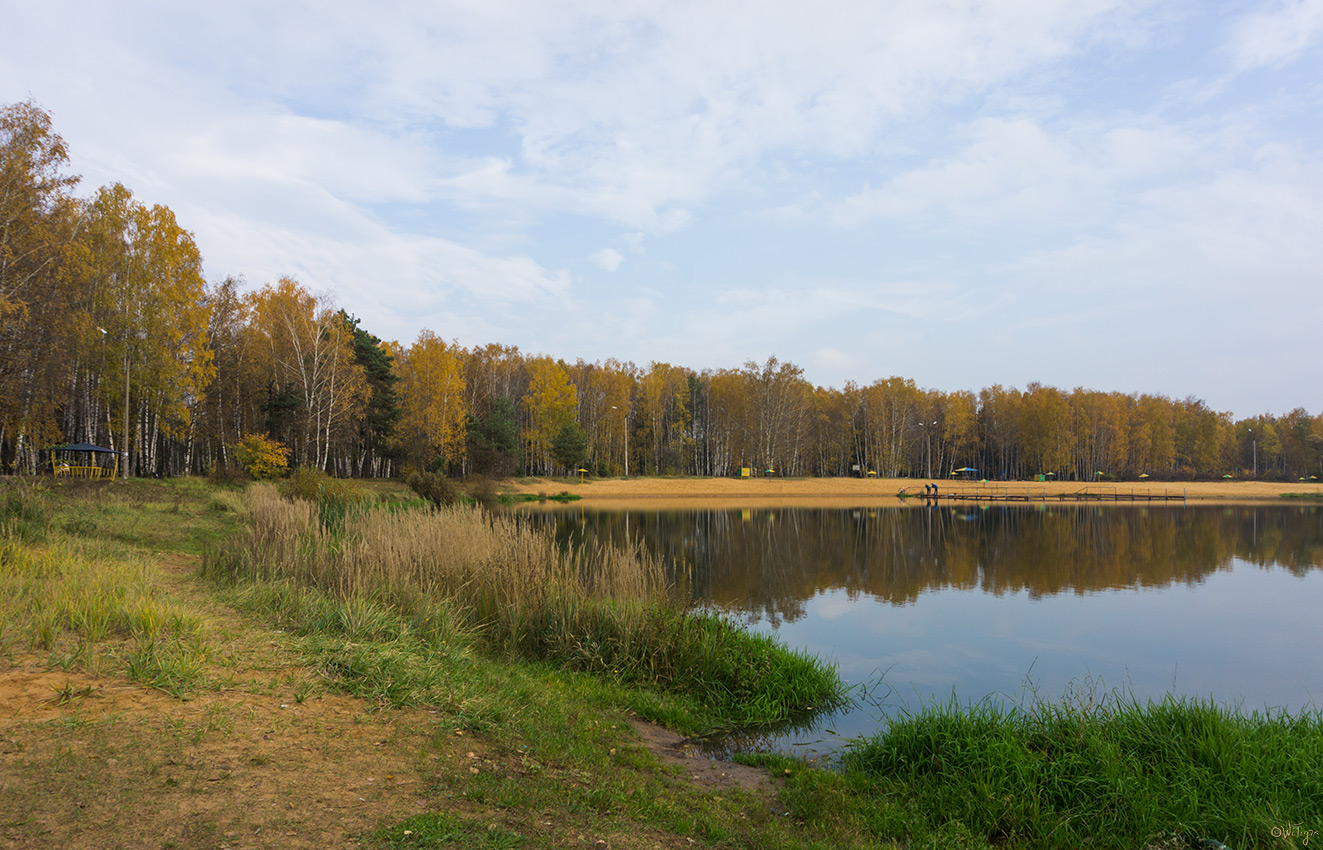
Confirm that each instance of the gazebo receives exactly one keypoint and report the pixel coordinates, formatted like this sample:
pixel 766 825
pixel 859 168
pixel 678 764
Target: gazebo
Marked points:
pixel 83 460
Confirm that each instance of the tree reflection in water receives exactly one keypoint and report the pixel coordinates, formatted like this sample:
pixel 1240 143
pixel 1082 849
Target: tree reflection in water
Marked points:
pixel 768 562
pixel 974 603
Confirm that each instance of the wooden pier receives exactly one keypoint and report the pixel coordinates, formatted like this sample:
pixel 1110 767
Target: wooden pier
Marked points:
pixel 1010 493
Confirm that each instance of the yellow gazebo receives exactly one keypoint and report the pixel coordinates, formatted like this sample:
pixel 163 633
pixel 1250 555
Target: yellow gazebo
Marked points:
pixel 81 460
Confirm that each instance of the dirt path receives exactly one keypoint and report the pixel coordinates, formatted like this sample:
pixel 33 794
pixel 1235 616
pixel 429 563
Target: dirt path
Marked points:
pixel 96 762
pixel 264 757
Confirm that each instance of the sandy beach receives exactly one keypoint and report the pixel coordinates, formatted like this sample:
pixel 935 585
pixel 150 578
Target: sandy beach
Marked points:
pixel 830 492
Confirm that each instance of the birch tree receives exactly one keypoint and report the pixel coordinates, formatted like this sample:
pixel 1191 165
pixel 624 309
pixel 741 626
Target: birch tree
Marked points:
pixel 307 350
pixel 433 413
pixel 152 312
pixel 42 303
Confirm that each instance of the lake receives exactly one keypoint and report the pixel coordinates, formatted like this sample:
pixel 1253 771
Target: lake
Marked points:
pixel 920 604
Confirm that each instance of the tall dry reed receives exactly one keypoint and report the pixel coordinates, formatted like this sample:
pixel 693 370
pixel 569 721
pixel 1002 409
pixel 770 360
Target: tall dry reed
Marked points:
pixel 500 569
pixel 507 583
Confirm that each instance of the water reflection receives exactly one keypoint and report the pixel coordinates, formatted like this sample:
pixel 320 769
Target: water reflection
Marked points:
pixel 933 603
pixel 769 562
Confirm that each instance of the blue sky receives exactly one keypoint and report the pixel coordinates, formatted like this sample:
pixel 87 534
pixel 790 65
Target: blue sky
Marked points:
pixel 1115 195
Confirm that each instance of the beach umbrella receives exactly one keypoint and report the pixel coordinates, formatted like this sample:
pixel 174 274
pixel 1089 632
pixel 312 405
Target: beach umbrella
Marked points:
pixel 581 472
pixel 1313 478
pixel 1050 474
pixel 1143 475
pixel 1228 475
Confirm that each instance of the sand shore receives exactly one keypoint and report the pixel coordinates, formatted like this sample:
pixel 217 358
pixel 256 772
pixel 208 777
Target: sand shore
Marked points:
pixel 853 491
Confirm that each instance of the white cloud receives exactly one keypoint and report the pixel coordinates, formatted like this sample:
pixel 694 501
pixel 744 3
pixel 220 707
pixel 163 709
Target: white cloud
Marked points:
pixel 1015 172
pixel 1278 35
pixel 869 186
pixel 835 362
pixel 634 241
pixel 608 258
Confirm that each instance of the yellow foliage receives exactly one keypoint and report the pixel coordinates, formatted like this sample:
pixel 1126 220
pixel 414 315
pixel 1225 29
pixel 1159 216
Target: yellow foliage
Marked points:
pixel 262 456
pixel 551 402
pixel 432 386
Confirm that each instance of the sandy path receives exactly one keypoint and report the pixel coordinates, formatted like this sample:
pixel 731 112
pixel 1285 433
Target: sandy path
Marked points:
pixel 862 490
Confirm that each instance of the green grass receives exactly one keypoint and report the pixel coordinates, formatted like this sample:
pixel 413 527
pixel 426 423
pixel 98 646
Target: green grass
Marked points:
pixel 559 759
pixel 521 498
pixel 180 515
pixel 438 829
pixel 93 605
pixel 1119 773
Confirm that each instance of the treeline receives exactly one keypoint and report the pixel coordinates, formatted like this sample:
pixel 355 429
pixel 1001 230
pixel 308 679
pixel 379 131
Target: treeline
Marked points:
pixel 110 334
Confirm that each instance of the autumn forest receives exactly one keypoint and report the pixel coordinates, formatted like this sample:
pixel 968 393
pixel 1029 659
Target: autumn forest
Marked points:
pixel 111 334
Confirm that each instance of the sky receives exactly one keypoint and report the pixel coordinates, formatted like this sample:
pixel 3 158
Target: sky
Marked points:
pixel 1120 196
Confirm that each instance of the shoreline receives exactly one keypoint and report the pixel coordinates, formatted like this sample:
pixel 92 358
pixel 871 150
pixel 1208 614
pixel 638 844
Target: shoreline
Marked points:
pixel 845 492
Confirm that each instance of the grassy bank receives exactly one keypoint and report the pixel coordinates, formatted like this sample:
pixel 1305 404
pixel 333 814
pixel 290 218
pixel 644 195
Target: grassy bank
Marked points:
pixel 247 743
pixel 492 678
pixel 1173 774
pixel 465 577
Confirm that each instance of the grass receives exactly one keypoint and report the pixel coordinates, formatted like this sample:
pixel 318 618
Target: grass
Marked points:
pixel 520 498
pixel 463 576
pixel 498 673
pixel 89 603
pixel 1173 774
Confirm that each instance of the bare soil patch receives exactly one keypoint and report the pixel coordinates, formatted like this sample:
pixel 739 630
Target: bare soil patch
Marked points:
pixel 94 762
pixel 676 751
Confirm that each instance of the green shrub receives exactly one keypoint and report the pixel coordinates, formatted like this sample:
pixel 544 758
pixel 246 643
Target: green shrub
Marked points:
pixel 482 490
pixel 434 487
pixel 306 483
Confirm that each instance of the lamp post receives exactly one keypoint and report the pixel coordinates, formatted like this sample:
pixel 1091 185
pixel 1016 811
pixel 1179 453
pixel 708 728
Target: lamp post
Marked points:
pixel 105 333
pixel 927 447
pixel 1255 443
pixel 624 422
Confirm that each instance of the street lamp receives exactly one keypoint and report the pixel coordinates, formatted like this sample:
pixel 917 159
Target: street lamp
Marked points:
pixel 624 420
pixel 927 447
pixel 105 333
pixel 1255 442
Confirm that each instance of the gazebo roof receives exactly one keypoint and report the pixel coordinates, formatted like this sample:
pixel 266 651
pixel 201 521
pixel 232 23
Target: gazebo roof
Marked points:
pixel 84 447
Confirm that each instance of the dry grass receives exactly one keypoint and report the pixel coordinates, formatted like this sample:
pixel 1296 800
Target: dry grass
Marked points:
pixel 433 579
pixel 829 492
pixel 493 561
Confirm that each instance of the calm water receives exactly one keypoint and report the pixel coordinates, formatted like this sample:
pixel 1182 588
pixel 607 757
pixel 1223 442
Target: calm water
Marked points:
pixel 926 604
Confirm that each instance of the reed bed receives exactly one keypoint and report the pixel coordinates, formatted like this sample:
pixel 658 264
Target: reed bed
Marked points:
pixel 461 573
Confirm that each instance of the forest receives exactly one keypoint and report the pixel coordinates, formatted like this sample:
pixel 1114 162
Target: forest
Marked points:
pixel 111 334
